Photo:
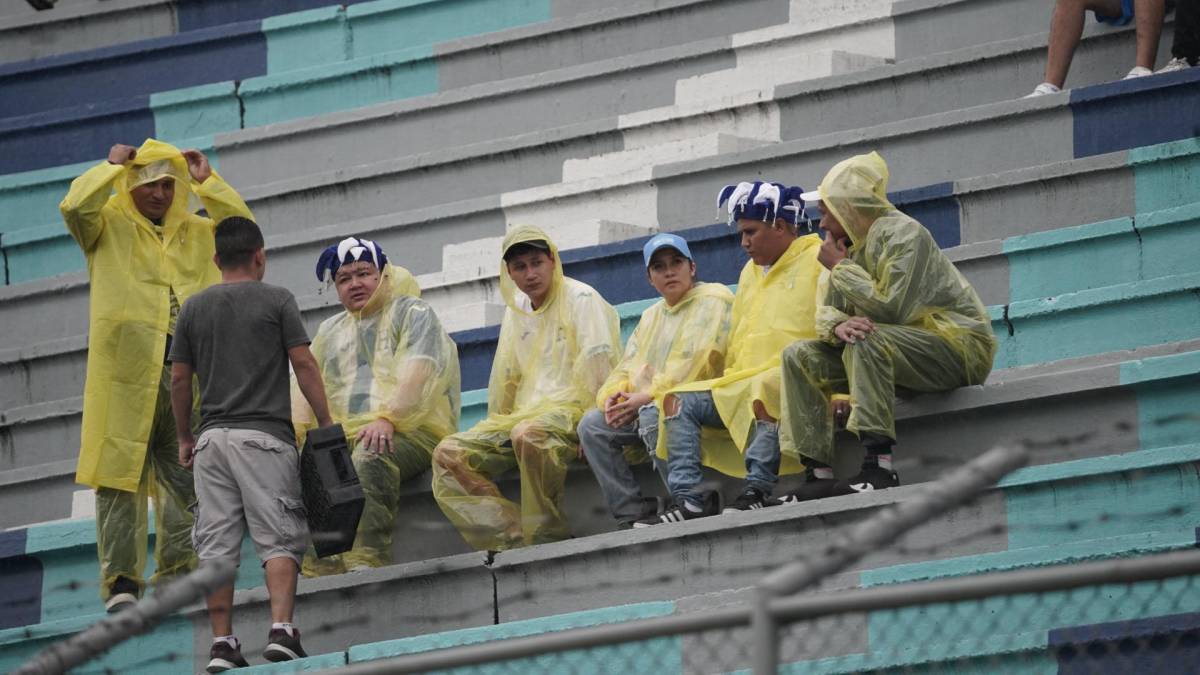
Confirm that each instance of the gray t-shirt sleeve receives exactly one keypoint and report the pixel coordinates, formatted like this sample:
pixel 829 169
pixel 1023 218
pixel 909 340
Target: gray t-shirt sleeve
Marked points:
pixel 181 347
pixel 290 324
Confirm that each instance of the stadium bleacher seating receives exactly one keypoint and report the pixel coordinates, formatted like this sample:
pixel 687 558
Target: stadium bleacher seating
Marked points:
pixel 1075 215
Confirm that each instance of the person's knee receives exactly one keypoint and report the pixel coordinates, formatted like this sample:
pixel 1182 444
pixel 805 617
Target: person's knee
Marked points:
pixel 527 438
pixel 799 356
pixel 591 425
pixel 446 456
pixel 672 406
pixel 760 412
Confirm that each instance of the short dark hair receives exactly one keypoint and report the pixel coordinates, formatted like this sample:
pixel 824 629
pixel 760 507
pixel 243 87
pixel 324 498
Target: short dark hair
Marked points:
pixel 237 240
pixel 536 246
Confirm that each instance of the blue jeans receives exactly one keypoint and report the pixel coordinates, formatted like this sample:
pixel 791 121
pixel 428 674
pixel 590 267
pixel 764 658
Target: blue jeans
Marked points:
pixel 697 409
pixel 604 446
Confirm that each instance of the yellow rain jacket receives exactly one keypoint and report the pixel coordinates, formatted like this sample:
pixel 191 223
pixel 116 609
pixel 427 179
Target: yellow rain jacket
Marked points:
pixel 554 357
pixel 132 273
pixel 674 345
pixel 770 311
pixel 389 360
pixel 896 273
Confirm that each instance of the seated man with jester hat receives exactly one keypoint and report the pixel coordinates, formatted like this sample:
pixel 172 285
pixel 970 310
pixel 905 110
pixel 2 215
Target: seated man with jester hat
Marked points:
pixel 730 423
pixel 391 375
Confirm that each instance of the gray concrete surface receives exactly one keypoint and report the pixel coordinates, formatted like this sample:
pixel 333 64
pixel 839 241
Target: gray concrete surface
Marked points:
pixel 76 25
pixel 926 27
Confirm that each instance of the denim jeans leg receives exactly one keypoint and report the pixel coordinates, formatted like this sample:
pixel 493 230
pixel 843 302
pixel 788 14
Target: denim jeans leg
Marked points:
pixel 696 410
pixel 604 448
pixel 762 457
pixel 648 430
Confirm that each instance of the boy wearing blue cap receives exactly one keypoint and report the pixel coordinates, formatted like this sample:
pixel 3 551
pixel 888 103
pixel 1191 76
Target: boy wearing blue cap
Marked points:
pixel 679 339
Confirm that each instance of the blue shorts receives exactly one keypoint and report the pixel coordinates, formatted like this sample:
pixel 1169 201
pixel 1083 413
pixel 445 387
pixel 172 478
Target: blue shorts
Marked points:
pixel 1125 18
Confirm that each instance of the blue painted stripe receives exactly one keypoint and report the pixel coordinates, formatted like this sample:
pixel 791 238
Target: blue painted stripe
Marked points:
pixel 936 207
pixel 1131 113
pixel 197 14
pixel 52 139
pixel 228 52
pixel 1162 644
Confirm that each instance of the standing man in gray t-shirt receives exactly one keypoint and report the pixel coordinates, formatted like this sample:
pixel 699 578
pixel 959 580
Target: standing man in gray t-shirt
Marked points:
pixel 238 338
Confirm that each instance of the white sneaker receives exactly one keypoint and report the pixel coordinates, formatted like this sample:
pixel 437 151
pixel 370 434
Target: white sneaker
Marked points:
pixel 1043 89
pixel 1138 71
pixel 1174 66
pixel 120 601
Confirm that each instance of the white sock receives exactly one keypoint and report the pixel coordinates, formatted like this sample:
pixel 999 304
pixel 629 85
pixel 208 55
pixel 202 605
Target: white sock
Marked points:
pixel 229 640
pixel 692 507
pixel 822 472
pixel 885 461
pixel 291 630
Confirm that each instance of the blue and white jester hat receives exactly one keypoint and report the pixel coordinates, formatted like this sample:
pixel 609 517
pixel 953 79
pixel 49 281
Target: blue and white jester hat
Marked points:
pixel 349 250
pixel 763 201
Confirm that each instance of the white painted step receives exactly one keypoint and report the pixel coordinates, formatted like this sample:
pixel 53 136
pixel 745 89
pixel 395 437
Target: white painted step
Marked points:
pixel 642 158
pixel 761 69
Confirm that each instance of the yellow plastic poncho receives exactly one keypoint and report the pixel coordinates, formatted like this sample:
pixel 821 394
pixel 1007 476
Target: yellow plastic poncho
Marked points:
pixel 770 311
pixel 132 274
pixel 390 360
pixel 674 344
pixel 548 366
pixel 896 273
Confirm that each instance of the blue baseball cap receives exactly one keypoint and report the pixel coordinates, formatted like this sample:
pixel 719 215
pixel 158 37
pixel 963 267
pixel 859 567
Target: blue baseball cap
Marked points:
pixel 666 240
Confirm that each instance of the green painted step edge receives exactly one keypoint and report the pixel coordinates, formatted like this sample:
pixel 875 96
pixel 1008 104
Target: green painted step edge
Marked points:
pixel 1067 235
pixel 503 631
pixel 303 19
pixel 264 84
pixel 1026 309
pixel 385 6
pixel 312 663
pixel 1095 466
pixel 1141 543
pixel 1164 151
pixel 1160 368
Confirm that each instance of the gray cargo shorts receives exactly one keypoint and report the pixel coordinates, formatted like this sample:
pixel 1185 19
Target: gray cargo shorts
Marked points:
pixel 247 478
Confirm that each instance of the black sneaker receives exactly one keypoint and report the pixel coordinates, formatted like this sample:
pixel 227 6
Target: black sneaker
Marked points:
pixel 812 488
pixel 651 506
pixel 678 514
pixel 122 594
pixel 282 646
pixel 222 656
pixel 872 477
pixel 751 499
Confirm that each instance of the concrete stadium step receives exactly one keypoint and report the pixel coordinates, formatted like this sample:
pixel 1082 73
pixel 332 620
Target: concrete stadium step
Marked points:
pixel 440 55
pixel 1025 522
pixel 30 199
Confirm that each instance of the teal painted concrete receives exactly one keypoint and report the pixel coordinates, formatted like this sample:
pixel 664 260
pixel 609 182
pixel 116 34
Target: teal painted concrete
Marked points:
pixel 31 199
pixel 385 25
pixel 310 664
pixel 185 114
pixel 1051 263
pixel 474 408
pixel 342 86
pixel 40 252
pixel 1166 175
pixel 167 649
pixel 1101 320
pixel 1160 368
pixel 978 627
pixel 663 653
pixel 1101 466
pixel 1168 412
pixel 1163 498
pixel 306 39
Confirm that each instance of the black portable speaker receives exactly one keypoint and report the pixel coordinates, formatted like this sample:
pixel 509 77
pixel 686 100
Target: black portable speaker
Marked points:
pixel 333 497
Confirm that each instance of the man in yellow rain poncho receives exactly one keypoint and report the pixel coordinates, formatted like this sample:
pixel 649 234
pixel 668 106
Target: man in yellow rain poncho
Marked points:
pixel 147 252
pixel 679 339
pixel 730 423
pixel 391 376
pixel 896 314
pixel 558 342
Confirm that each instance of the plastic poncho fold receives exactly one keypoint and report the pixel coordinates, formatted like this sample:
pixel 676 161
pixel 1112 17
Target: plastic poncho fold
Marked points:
pixel 896 273
pixel 672 345
pixel 556 356
pixel 132 274
pixel 389 360
pixel 770 311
